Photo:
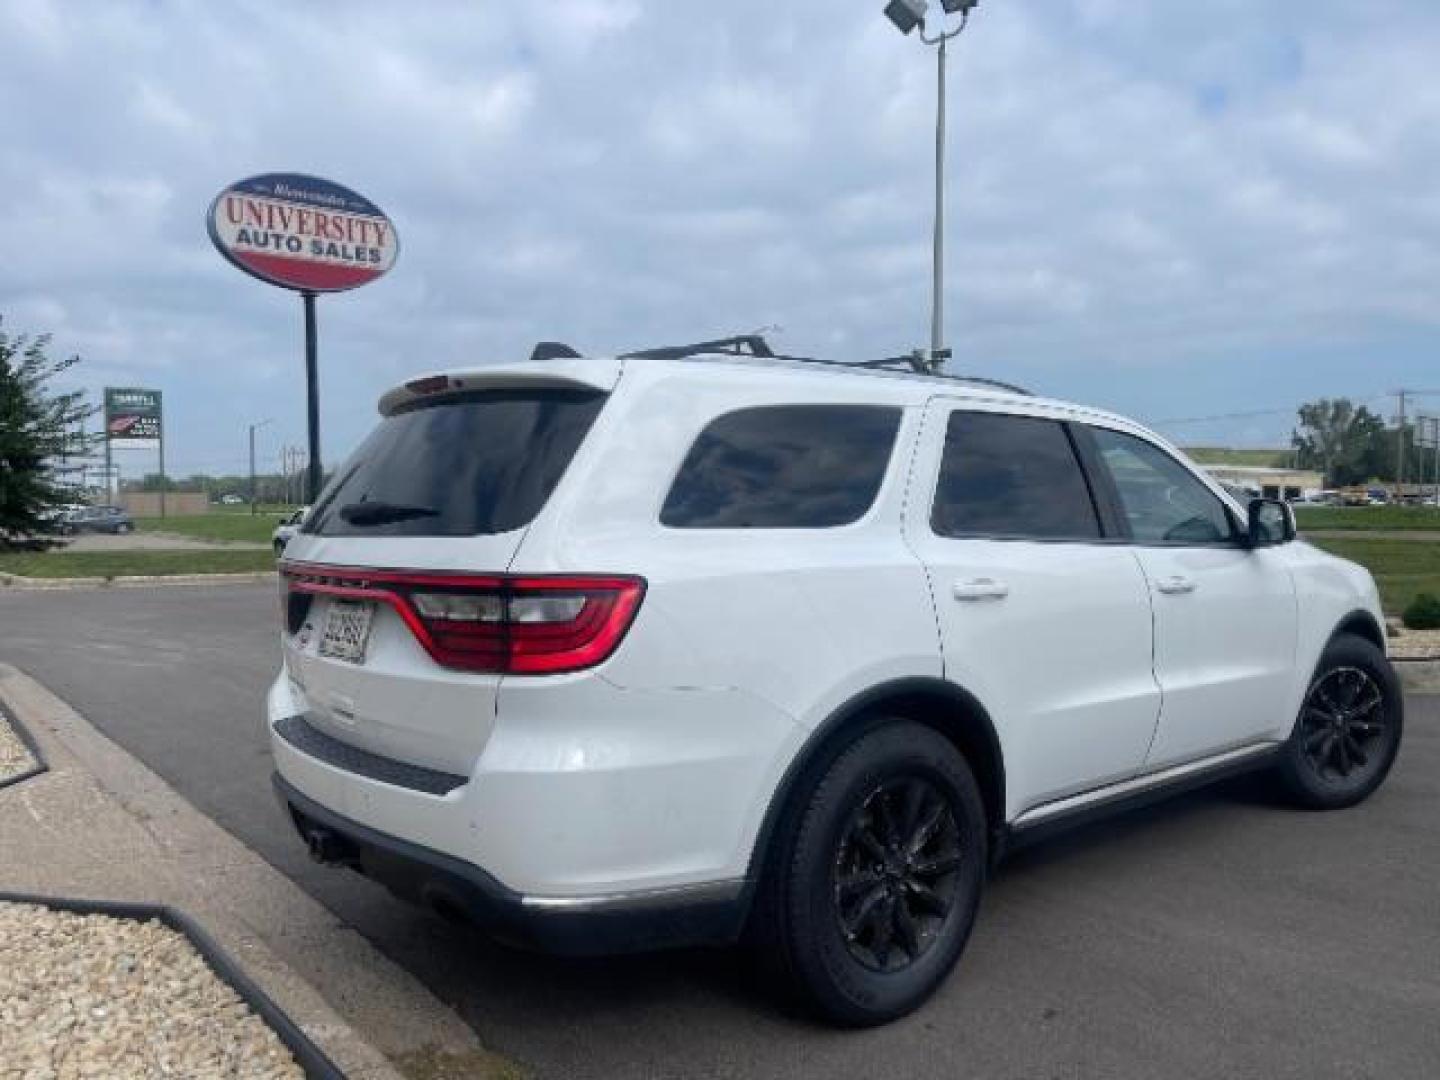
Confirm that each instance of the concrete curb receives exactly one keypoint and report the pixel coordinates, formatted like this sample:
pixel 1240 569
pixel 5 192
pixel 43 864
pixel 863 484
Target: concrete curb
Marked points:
pixel 1419 676
pixel 15 581
pixel 100 825
pixel 26 740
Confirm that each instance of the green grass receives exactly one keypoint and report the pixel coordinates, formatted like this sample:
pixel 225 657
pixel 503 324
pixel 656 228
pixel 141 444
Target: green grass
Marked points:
pixel 1368 517
pixel 1402 568
pixel 106 564
pixel 1217 455
pixel 221 525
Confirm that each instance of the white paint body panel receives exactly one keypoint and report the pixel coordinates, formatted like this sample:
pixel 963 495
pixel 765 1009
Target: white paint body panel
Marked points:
pixel 656 769
pixel 1078 612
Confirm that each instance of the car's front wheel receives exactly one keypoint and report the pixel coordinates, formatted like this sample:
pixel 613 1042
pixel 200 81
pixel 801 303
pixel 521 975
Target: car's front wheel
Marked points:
pixel 122 529
pixel 877 879
pixel 1348 732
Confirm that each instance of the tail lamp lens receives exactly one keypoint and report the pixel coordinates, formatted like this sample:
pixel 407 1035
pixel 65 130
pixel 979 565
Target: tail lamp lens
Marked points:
pixel 508 625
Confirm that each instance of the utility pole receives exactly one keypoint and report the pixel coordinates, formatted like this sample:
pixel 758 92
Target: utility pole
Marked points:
pixel 1400 446
pixel 1435 448
pixel 253 427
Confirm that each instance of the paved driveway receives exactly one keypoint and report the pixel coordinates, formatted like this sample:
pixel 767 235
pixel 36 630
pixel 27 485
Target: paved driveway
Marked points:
pixel 1220 935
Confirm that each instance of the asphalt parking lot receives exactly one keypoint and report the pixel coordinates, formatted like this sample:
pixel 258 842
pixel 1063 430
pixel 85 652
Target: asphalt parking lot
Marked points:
pixel 1220 935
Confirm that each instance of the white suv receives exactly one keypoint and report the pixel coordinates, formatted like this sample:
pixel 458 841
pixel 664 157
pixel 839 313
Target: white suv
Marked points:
pixel 668 649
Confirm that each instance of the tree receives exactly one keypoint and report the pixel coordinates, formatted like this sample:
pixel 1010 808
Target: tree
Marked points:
pixel 39 428
pixel 156 482
pixel 1340 439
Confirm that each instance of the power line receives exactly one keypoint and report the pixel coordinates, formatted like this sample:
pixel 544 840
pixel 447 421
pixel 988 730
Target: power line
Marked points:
pixel 1250 415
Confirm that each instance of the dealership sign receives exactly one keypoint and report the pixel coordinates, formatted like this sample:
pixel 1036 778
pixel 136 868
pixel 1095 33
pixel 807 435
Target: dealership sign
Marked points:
pixel 302 233
pixel 133 417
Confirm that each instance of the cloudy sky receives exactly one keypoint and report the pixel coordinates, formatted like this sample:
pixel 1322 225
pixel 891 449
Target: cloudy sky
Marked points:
pixel 1179 210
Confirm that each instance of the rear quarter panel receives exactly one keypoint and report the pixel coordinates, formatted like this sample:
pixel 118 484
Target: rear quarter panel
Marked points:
pixel 789 622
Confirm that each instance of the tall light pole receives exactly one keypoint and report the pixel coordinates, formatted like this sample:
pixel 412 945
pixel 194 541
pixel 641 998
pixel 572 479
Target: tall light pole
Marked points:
pixel 909 15
pixel 254 428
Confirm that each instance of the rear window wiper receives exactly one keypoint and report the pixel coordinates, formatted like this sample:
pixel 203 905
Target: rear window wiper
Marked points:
pixel 383 513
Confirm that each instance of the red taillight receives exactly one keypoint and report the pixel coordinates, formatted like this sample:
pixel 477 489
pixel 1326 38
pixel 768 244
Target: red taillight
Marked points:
pixel 503 624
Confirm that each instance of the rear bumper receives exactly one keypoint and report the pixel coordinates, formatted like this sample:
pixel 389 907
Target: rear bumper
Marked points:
pixel 580 790
pixel 709 914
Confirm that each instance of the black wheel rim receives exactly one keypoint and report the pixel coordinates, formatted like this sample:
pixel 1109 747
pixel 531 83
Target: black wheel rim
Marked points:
pixel 897 873
pixel 1344 726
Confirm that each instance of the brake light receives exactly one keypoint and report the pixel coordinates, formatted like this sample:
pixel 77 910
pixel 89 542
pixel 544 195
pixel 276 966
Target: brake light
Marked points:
pixel 504 624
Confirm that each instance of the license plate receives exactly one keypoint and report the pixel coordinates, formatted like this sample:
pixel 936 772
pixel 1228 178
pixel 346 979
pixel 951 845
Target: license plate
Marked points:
pixel 347 629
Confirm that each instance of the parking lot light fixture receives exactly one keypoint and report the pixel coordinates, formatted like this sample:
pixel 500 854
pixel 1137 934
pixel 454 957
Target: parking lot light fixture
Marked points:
pixel 906 14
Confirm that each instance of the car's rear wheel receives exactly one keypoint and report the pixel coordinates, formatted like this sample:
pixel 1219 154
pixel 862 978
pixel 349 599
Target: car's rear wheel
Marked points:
pixel 1348 732
pixel 877 877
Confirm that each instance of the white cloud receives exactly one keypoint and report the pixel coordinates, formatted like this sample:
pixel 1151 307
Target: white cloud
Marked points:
pixel 1150 204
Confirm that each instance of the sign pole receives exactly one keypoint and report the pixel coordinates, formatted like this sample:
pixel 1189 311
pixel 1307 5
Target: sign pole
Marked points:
pixel 109 498
pixel 162 472
pixel 312 403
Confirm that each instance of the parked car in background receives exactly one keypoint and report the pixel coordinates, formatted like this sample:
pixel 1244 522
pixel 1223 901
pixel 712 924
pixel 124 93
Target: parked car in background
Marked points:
pixel 287 528
pixel 232 500
pixel 675 649
pixel 97 519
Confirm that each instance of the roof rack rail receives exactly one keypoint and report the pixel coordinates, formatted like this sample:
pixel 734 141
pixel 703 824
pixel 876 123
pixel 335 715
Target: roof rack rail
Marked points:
pixel 755 345
pixel 739 345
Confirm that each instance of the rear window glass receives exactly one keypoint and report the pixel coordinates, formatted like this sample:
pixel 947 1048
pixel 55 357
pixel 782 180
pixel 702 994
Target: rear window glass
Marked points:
pixel 784 467
pixel 474 465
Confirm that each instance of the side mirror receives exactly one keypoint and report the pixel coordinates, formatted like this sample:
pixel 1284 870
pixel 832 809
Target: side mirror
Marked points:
pixel 1272 522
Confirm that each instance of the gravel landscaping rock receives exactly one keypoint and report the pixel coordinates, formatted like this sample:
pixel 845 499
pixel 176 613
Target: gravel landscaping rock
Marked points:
pixel 96 996
pixel 15 757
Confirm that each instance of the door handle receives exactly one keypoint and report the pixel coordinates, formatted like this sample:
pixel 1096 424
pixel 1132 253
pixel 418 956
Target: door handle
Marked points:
pixel 981 589
pixel 1175 586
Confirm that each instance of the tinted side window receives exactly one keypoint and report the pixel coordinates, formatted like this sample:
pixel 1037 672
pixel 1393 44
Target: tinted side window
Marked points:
pixel 1012 476
pixel 784 467
pixel 1162 500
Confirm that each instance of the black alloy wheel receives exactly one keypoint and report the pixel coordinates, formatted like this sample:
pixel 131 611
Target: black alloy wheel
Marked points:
pixel 1348 732
pixel 1343 726
pixel 875 876
pixel 896 873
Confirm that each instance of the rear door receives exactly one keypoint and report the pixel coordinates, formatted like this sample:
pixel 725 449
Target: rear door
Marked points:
pixel 1225 615
pixel 1043 612
pixel 447 483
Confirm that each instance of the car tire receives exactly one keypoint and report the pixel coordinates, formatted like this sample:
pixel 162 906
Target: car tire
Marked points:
pixel 279 546
pixel 121 530
pixel 1349 729
pixel 875 880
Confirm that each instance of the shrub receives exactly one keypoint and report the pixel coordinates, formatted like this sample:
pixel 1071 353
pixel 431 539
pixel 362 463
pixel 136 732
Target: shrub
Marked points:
pixel 1423 613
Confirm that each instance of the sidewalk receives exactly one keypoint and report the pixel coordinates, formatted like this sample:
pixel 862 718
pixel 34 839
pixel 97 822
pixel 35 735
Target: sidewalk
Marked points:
pixel 101 825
